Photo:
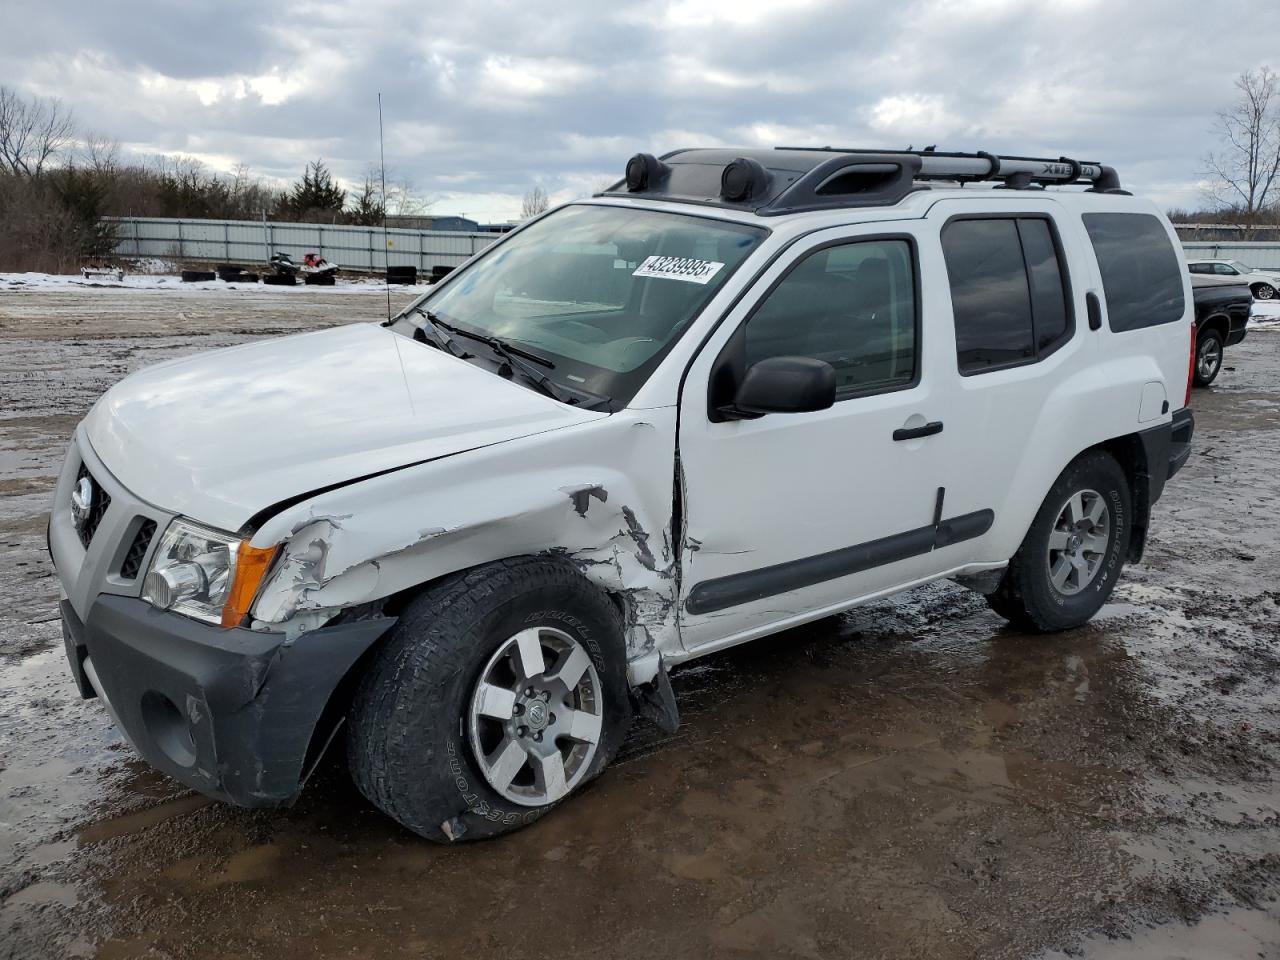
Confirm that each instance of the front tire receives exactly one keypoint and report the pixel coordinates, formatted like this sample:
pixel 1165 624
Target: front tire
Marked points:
pixel 1072 555
pixel 1208 357
pixel 499 692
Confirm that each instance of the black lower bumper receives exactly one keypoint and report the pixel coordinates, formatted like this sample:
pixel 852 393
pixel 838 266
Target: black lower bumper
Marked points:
pixel 232 713
pixel 1181 430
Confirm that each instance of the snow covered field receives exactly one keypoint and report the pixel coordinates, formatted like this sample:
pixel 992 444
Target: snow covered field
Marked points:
pixel 170 283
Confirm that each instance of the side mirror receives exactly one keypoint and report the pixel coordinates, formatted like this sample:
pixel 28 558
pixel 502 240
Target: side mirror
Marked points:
pixel 786 385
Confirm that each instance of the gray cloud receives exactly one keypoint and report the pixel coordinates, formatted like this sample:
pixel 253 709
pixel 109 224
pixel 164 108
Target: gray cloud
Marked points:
pixel 483 100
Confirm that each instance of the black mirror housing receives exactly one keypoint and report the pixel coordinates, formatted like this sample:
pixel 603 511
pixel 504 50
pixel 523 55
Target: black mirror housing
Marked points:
pixel 786 385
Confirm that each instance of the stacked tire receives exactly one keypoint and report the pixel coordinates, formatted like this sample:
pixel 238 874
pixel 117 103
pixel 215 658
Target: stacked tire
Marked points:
pixel 197 276
pixel 439 272
pixel 407 276
pixel 280 280
pixel 319 279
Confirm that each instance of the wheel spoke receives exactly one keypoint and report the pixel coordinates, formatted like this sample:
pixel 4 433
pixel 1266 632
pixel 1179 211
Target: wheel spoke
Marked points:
pixel 532 661
pixel 1061 570
pixel 1096 511
pixel 510 759
pixel 1094 543
pixel 574 666
pixel 496 702
pixel 582 726
pixel 1075 509
pixel 548 771
pixel 1058 539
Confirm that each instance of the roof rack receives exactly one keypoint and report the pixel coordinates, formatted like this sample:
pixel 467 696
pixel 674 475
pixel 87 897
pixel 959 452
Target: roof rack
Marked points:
pixel 795 179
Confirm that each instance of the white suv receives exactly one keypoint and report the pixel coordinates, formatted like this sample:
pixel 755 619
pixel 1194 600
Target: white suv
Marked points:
pixel 1262 283
pixel 734 393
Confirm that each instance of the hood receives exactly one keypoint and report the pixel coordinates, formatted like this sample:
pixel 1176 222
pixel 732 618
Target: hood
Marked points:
pixel 220 436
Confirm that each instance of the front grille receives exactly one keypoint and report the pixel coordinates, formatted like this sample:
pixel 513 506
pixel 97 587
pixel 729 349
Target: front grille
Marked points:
pixel 132 565
pixel 97 508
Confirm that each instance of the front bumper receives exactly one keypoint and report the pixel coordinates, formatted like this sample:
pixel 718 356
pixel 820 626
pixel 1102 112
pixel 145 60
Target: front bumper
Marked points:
pixel 236 714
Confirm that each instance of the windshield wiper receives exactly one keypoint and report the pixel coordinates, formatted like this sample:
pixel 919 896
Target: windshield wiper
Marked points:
pixel 515 358
pixel 436 328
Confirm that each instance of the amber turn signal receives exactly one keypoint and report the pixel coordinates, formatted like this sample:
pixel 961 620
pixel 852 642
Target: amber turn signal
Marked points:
pixel 252 564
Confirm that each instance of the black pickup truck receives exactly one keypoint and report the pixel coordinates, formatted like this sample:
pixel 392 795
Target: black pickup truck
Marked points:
pixel 1222 314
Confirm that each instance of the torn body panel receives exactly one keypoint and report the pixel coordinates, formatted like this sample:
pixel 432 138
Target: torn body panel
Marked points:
pixel 599 493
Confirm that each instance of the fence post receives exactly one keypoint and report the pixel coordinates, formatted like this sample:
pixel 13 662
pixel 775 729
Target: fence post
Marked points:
pixel 226 240
pixel 181 252
pixel 137 237
pixel 321 231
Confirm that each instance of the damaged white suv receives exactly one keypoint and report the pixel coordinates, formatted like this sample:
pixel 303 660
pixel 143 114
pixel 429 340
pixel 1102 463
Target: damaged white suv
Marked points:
pixel 734 393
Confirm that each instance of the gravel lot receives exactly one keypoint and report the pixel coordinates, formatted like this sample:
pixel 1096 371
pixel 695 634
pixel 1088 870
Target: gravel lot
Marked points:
pixel 913 779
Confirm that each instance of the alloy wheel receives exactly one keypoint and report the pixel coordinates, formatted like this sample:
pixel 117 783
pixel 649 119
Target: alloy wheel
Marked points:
pixel 535 716
pixel 1078 542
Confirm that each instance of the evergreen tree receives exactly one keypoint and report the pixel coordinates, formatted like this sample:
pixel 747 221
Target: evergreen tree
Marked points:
pixel 314 198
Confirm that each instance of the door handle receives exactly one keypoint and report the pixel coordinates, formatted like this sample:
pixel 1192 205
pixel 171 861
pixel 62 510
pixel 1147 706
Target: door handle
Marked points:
pixel 915 433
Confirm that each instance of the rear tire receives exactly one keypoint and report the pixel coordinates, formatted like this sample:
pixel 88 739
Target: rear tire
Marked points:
pixel 447 695
pixel 1208 357
pixel 1072 555
pixel 1263 291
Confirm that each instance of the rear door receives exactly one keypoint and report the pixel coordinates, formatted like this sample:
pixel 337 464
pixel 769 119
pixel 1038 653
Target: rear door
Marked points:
pixel 1018 350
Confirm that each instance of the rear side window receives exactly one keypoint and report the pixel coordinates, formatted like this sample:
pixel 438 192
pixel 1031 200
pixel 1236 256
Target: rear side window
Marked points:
pixel 1201 268
pixel 1008 293
pixel 1141 272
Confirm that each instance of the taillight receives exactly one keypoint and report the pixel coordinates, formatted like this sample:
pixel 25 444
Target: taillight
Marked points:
pixel 1191 367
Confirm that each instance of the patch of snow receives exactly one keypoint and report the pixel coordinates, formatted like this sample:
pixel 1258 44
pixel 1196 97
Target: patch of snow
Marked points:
pixel 145 281
pixel 1265 314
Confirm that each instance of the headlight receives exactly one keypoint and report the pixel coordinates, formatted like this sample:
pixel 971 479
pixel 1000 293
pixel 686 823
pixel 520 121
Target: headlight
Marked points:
pixel 205 574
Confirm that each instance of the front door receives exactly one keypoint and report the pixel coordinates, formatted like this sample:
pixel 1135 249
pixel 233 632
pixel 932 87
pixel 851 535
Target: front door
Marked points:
pixel 788 515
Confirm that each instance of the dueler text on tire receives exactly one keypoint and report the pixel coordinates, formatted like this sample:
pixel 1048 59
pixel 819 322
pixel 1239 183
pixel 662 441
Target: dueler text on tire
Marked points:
pixel 1208 357
pixel 500 691
pixel 1072 555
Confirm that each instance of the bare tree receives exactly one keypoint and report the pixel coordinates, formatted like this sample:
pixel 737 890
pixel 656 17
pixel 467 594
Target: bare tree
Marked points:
pixel 403 201
pixel 534 203
pixel 101 153
pixel 1246 167
pixel 32 132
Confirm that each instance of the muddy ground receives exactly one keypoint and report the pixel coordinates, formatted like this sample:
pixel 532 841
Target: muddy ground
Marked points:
pixel 913 779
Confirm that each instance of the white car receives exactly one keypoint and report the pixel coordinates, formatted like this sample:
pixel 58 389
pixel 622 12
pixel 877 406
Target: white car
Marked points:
pixel 1262 283
pixel 734 393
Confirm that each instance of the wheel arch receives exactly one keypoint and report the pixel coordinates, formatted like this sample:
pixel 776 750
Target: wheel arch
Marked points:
pixel 1218 322
pixel 390 607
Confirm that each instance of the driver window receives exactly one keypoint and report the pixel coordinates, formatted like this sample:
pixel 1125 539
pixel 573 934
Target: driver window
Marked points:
pixel 852 305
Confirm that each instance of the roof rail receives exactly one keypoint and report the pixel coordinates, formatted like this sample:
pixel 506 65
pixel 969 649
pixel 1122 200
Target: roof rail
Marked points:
pixel 1016 172
pixel 794 179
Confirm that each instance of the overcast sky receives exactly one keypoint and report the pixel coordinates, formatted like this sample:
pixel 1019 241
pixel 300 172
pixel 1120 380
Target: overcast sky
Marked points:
pixel 482 100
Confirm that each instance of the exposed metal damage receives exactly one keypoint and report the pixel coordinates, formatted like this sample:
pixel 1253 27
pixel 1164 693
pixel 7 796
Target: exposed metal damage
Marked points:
pixel 486 505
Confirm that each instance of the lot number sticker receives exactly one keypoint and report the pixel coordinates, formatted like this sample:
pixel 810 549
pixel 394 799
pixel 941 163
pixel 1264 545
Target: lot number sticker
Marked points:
pixel 679 268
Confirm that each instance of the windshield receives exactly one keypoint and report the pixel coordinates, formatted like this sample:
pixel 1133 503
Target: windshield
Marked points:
pixel 1243 268
pixel 602 292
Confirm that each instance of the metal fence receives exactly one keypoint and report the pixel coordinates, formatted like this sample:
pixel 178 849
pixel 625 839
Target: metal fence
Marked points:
pixel 361 248
pixel 1265 256
pixel 253 242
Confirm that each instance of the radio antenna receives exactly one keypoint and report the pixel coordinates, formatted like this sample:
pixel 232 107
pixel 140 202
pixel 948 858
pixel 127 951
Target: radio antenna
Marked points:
pixel 386 244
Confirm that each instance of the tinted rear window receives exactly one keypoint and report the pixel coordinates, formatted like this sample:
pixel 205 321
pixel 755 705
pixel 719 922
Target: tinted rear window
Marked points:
pixel 1141 272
